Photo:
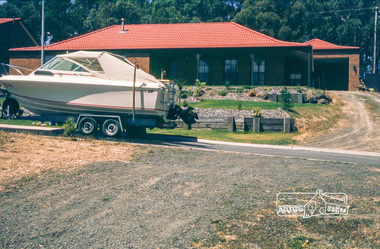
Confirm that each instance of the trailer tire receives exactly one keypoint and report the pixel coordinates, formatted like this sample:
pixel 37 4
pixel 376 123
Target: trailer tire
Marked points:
pixel 88 126
pixel 111 128
pixel 14 106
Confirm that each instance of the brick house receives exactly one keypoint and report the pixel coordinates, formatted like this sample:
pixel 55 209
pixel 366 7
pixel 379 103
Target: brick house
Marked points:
pixel 335 65
pixel 211 52
pixel 14 34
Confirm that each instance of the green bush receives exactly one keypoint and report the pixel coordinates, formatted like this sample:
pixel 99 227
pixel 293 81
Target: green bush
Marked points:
pixel 199 88
pixel 299 90
pixel 227 84
pixel 223 92
pixel 240 89
pixel 179 84
pixel 69 128
pixel 286 99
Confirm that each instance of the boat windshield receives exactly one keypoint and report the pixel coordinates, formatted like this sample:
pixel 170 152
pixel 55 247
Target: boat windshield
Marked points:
pixel 91 63
pixel 64 65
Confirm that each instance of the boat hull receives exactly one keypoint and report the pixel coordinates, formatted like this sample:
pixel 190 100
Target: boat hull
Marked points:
pixel 68 97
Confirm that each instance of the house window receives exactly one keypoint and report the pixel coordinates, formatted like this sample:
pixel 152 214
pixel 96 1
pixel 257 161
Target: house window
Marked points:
pixel 258 71
pixel 204 71
pixel 295 79
pixel 231 71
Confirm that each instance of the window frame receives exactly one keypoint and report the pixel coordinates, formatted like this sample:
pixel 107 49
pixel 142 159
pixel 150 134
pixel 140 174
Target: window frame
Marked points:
pixel 231 70
pixel 205 75
pixel 258 71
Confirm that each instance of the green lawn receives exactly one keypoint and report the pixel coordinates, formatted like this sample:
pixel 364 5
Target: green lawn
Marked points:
pixel 22 122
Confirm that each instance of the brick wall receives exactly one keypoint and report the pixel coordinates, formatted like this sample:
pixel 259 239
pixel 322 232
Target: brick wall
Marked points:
pixel 354 62
pixel 31 63
pixel 143 62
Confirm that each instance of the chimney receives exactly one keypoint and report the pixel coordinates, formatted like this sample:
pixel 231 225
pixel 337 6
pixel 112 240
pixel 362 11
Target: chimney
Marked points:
pixel 122 31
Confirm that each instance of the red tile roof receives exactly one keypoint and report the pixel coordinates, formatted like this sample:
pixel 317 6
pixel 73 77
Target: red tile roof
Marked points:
pixel 319 44
pixel 5 20
pixel 165 36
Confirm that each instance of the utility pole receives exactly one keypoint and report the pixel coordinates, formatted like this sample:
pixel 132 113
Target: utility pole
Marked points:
pixel 374 44
pixel 43 32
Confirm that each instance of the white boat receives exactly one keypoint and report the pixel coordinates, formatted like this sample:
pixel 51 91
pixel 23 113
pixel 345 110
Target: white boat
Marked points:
pixel 98 83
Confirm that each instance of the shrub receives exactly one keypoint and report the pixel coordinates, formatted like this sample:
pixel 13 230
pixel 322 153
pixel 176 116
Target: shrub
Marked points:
pixel 286 99
pixel 256 112
pixel 223 92
pixel 227 84
pixel 371 90
pixel 299 90
pixel 240 89
pixel 251 93
pixel 69 128
pixel 199 88
pixel 179 84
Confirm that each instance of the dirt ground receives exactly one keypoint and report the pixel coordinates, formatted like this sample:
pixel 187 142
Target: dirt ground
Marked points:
pixel 25 155
pixel 181 198
pixel 359 129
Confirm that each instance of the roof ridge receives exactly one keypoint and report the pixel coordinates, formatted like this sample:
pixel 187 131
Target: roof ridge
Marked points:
pixel 326 43
pixel 79 36
pixel 261 34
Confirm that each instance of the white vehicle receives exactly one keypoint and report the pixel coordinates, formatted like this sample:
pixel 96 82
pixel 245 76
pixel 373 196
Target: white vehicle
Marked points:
pixel 99 88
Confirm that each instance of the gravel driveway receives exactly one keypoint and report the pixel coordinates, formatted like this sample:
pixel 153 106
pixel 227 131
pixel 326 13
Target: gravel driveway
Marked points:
pixel 170 198
pixel 359 129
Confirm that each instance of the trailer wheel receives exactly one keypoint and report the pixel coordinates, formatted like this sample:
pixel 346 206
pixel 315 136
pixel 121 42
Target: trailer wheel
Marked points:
pixel 88 126
pixel 14 106
pixel 111 128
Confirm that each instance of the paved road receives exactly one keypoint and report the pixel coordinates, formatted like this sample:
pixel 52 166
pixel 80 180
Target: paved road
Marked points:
pixel 370 158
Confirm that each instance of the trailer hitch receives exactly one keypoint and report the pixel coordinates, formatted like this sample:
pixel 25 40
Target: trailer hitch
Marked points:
pixel 188 116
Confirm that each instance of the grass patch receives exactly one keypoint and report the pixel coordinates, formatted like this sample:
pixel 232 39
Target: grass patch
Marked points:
pixel 24 122
pixel 279 138
pixel 318 118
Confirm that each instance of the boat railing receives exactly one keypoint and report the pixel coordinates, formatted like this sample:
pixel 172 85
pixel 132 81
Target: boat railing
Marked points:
pixel 16 68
